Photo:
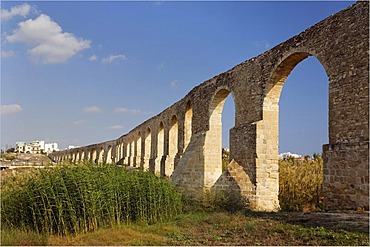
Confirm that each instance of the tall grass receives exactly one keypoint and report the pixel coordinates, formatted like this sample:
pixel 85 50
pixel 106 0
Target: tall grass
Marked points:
pixel 75 199
pixel 300 184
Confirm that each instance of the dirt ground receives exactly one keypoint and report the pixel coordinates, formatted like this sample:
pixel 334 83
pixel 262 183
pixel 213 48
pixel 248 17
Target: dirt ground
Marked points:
pixel 346 220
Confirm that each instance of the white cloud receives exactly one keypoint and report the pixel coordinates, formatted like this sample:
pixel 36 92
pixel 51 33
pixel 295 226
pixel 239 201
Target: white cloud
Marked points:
pixel 93 58
pixel 10 109
pixel 112 58
pixel 9 53
pixel 79 122
pixel 175 83
pixel 92 109
pixel 116 127
pixel 125 110
pixel 49 44
pixel 19 10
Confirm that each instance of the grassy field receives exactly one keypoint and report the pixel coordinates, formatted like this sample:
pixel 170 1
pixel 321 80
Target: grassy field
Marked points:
pixel 200 228
pixel 95 191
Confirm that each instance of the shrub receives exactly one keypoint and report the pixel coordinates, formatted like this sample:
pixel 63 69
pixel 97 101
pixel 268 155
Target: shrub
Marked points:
pixel 75 199
pixel 9 156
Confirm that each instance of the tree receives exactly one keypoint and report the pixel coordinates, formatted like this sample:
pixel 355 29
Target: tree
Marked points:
pixel 10 150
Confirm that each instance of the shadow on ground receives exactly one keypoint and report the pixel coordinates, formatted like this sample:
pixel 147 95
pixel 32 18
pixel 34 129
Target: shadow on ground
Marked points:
pixel 349 221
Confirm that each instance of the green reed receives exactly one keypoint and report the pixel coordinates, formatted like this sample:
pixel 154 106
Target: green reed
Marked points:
pixel 75 199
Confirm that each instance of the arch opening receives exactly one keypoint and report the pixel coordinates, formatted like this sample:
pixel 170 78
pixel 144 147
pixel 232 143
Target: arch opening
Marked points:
pixel 131 152
pixel 295 115
pixel 188 124
pixel 118 152
pixel 137 162
pixel 94 159
pixel 228 122
pixel 147 149
pixel 83 156
pixel 214 137
pixel 172 146
pixel 101 156
pixel 160 150
pixel 109 158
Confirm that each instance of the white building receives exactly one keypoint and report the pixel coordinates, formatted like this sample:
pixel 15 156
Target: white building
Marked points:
pixel 289 154
pixel 20 147
pixel 36 147
pixel 51 147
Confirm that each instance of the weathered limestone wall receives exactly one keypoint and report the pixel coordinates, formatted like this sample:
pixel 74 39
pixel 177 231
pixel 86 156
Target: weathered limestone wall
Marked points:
pixel 184 141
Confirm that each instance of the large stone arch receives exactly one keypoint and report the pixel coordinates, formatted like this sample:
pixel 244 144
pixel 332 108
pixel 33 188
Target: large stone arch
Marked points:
pixel 266 172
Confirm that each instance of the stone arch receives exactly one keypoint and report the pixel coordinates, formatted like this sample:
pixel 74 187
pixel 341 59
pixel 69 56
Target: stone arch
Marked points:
pixel 101 156
pixel 272 97
pixel 267 143
pixel 188 124
pixel 132 151
pixel 122 149
pixel 173 140
pixel 78 156
pixel 270 116
pixel 213 141
pixel 83 155
pixel 109 159
pixel 147 148
pixel 94 156
pixel 118 151
pixel 137 161
pixel 127 154
pixel 160 150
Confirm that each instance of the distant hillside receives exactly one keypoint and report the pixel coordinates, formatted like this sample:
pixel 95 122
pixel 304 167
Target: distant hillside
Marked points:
pixel 29 159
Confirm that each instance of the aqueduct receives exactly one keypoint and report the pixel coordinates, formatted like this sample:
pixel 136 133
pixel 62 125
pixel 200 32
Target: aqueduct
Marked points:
pixel 184 141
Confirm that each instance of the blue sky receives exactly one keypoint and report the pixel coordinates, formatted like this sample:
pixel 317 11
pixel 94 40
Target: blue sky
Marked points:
pixel 79 73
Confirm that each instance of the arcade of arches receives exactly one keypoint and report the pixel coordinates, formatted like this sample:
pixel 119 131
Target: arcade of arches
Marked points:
pixel 184 141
